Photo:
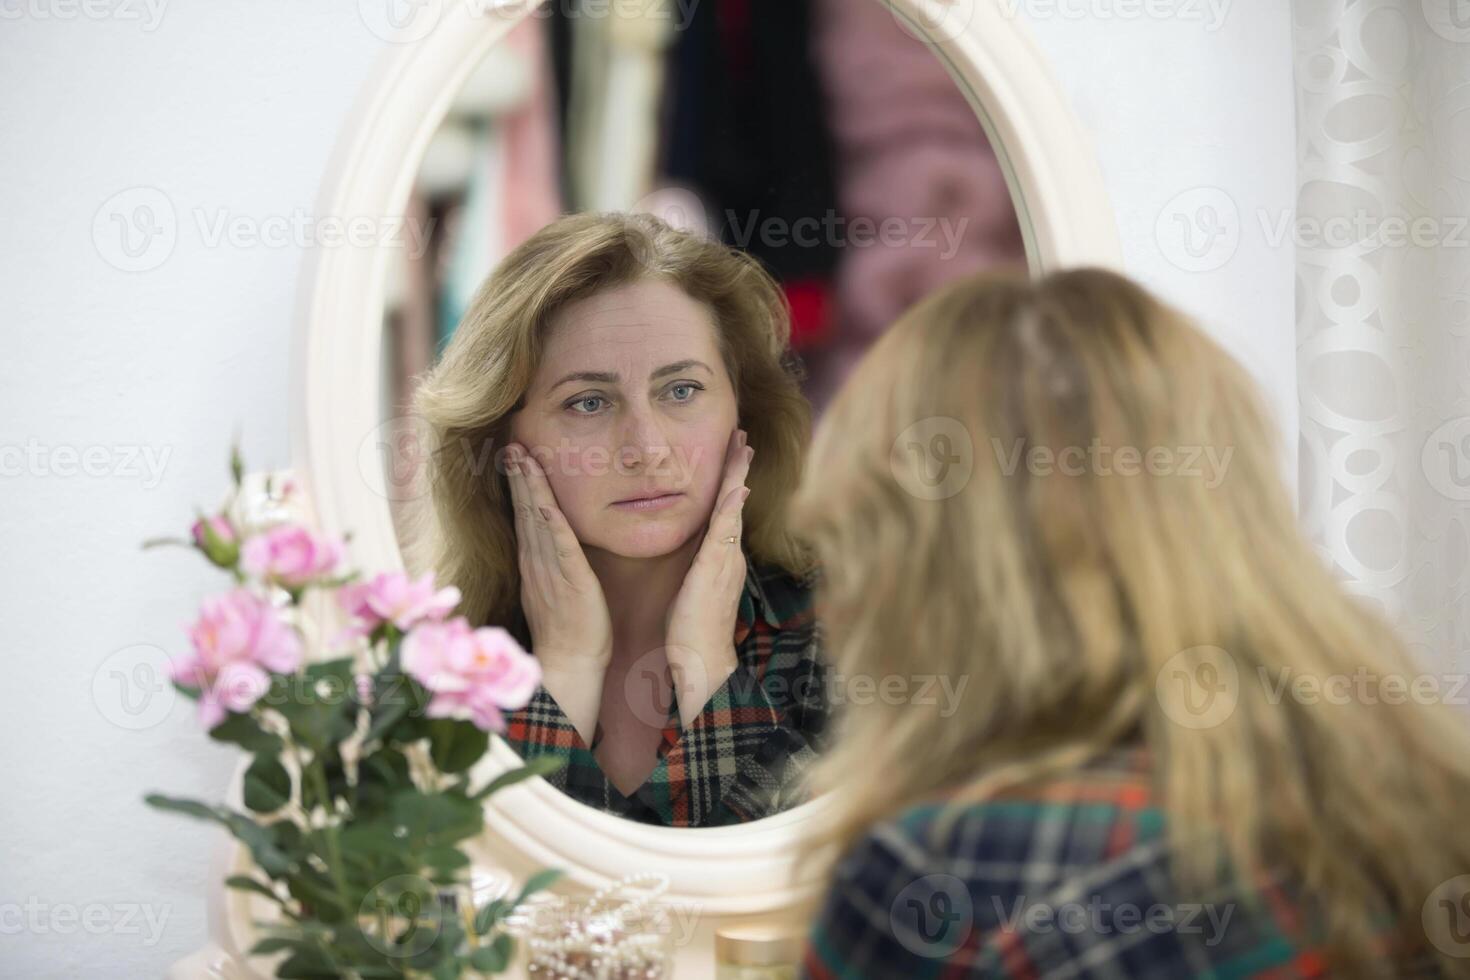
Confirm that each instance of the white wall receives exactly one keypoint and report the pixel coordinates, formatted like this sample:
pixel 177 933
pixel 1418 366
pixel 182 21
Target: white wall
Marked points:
pixel 229 109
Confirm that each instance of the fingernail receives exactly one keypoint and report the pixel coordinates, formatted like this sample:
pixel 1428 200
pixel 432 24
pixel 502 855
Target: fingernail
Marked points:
pixel 744 492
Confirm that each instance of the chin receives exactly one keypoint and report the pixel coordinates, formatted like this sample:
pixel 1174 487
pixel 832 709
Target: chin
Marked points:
pixel 646 539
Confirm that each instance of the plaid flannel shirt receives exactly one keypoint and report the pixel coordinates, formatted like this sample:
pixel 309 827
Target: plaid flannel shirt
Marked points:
pixel 740 759
pixel 1067 879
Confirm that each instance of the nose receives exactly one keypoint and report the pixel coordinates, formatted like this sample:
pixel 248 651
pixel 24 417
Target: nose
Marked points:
pixel 642 442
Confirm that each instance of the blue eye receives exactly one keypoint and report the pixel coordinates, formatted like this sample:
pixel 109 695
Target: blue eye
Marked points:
pixel 583 400
pixel 687 384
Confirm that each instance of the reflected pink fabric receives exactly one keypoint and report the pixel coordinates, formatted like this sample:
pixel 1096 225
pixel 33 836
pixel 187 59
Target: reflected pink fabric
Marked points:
pixel 532 192
pixel 910 148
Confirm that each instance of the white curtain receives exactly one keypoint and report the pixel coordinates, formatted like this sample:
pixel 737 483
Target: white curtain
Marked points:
pixel 1383 307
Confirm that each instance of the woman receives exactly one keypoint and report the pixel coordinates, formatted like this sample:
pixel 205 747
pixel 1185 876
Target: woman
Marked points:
pixel 631 385
pixel 1066 490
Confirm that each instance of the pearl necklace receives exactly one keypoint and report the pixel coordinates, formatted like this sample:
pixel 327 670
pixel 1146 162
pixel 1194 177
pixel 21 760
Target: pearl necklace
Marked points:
pixel 599 945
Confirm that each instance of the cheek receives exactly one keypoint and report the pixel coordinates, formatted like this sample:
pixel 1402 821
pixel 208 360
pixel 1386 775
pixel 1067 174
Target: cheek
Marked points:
pixel 705 462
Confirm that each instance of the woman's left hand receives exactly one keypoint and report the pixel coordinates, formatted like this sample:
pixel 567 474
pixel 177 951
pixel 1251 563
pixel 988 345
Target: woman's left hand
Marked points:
pixel 700 634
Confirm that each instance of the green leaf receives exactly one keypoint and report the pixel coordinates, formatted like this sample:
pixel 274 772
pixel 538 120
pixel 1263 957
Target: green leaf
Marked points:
pixel 314 888
pixel 537 882
pixel 190 808
pixel 244 730
pixel 274 944
pixel 445 858
pixel 494 958
pixel 192 693
pixel 267 785
pixel 308 963
pixel 248 884
pixel 492 913
pixel 538 766
pixel 455 744
pixel 435 818
pixel 317 703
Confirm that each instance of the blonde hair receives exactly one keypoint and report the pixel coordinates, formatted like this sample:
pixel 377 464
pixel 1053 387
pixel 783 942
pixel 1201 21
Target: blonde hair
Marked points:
pixel 1064 594
pixel 463 526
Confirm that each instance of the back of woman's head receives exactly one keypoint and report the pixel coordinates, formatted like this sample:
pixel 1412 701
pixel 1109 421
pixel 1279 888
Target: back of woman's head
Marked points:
pixel 1063 499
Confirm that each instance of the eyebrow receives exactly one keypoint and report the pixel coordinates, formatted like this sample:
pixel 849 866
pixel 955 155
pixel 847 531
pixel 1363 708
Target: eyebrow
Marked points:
pixel 611 377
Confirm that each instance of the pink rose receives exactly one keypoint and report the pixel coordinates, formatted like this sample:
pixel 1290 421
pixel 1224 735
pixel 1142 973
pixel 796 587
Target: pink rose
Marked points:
pixel 216 537
pixel 393 597
pixel 291 555
pixel 236 640
pixel 471 674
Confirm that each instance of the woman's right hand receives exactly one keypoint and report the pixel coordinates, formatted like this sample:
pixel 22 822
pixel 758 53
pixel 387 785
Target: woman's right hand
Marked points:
pixel 571 629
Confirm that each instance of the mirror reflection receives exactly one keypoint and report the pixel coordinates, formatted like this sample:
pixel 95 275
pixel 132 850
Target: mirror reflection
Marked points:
pixel 649 245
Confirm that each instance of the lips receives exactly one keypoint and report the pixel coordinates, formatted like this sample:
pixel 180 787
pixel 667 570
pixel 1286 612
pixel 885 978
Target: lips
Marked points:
pixel 652 494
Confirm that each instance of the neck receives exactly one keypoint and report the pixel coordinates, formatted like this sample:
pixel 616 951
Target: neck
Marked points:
pixel 640 591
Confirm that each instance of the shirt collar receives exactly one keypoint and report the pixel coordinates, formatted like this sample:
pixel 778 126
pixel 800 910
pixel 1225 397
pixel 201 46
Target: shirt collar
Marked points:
pixel 755 600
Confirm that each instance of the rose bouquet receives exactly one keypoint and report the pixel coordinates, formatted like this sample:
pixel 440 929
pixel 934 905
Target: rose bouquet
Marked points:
pixel 357 801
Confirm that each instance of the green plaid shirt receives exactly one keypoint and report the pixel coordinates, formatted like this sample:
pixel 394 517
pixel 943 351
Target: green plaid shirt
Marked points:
pixel 740 759
pixel 1066 878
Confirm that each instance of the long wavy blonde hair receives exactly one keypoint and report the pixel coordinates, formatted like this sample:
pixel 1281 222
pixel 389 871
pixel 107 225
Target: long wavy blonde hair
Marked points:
pixel 1065 594
pixel 463 525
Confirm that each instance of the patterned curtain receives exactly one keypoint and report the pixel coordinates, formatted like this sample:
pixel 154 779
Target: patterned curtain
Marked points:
pixel 1383 307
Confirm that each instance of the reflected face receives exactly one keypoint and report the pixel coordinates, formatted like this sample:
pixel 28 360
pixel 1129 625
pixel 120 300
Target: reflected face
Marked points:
pixel 631 399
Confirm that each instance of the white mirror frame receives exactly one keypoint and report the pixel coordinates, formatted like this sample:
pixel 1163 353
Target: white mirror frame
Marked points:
pixel 1066 219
